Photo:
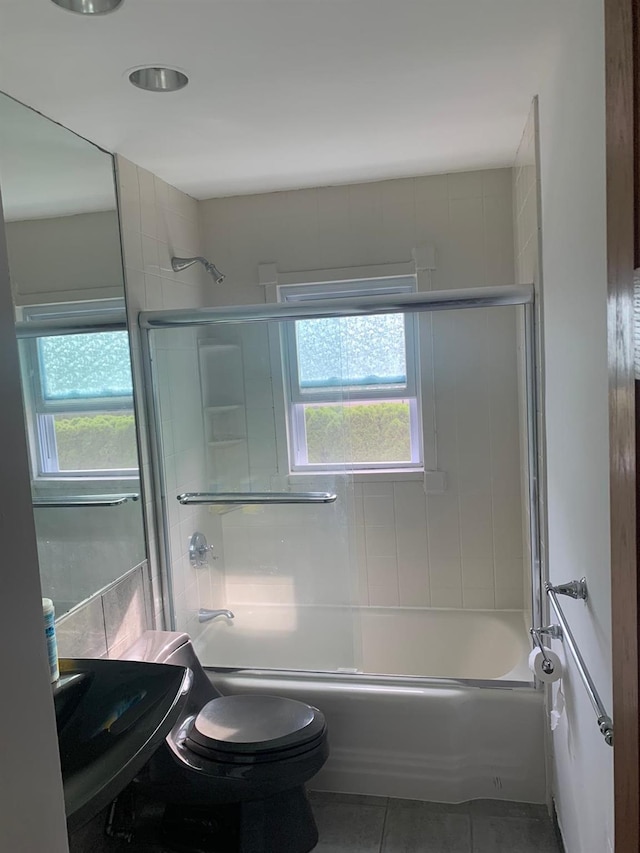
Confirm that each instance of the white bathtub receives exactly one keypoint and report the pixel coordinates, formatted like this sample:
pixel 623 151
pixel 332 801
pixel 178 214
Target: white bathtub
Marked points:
pixel 412 641
pixel 460 723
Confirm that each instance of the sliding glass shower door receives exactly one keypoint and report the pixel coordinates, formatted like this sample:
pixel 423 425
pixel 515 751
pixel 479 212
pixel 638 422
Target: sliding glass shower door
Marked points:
pixel 281 546
pixel 362 474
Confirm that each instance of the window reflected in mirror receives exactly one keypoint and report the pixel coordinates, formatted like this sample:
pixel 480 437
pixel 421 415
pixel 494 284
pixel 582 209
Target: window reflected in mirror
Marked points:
pixel 65 264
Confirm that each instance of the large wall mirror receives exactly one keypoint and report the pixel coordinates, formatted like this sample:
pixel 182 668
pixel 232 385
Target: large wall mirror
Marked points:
pixel 65 264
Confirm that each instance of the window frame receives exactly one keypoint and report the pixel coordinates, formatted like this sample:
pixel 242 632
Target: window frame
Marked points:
pixel 296 400
pixel 41 412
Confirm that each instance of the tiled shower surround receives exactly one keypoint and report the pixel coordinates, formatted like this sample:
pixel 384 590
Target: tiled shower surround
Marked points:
pixel 460 547
pixel 397 544
pixel 158 221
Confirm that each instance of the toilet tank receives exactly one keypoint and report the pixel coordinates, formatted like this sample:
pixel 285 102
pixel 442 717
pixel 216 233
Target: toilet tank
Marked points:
pixel 174 647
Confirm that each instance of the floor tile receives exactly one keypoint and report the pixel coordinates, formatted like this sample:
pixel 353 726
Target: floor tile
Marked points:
pixel 420 828
pixel 513 834
pixel 440 808
pixel 349 828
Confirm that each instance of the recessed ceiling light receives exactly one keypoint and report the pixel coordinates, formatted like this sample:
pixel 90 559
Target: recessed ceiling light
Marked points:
pixel 158 79
pixel 89 7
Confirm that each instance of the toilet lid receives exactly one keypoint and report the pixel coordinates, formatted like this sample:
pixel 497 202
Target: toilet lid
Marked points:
pixel 255 723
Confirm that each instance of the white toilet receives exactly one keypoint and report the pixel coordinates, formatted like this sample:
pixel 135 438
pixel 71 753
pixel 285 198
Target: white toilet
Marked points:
pixel 239 764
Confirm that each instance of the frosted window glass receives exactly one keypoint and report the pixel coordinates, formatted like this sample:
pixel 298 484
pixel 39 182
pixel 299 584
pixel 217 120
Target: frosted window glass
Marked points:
pixel 351 351
pixel 94 365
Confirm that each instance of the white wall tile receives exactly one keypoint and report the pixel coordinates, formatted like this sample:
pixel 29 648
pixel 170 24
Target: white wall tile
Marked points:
pixel 413 568
pixel 150 257
pixel 382 596
pixel 157 219
pixel 446 598
pixel 380 541
pixel 410 504
pixel 443 526
pixel 497 182
pixel 467 217
pixel 508 599
pixel 382 573
pixel 478 599
pixel 377 487
pixel 464 185
pixel 378 510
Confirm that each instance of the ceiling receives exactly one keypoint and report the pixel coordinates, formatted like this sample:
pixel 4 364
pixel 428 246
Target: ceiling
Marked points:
pixel 287 93
pixel 45 170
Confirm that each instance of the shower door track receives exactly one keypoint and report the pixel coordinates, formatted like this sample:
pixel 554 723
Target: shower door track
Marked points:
pixel 426 301
pixel 342 306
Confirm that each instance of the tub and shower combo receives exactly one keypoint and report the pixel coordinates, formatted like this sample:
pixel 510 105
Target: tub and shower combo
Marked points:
pixel 395 595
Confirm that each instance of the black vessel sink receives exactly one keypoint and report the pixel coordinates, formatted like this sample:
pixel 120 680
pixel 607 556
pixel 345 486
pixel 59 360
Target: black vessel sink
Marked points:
pixel 111 716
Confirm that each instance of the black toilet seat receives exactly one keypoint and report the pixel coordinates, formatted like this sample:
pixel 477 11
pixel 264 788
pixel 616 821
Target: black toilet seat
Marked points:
pixel 250 728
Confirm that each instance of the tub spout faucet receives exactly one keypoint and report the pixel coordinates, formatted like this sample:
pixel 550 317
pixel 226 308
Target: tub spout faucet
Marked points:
pixel 205 615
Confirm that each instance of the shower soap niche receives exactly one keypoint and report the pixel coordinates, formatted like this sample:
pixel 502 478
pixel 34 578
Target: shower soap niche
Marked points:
pixel 224 409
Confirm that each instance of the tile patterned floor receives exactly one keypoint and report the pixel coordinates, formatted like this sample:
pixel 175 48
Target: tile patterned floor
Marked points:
pixel 352 824
pixel 358 824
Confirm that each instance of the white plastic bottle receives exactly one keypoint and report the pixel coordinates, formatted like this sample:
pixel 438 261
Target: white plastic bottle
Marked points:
pixel 48 611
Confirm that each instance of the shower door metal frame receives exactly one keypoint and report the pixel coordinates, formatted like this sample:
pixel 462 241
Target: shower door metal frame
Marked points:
pixel 428 301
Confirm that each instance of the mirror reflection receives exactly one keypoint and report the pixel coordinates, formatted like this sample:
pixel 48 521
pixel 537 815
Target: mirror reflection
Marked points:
pixel 66 274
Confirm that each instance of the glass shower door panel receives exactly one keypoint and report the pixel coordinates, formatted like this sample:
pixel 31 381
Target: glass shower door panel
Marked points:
pixel 284 570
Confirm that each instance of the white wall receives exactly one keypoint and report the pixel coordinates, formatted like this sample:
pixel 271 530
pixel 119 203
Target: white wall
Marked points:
pixel 159 221
pixel 572 138
pixel 462 548
pixel 31 801
pixel 65 258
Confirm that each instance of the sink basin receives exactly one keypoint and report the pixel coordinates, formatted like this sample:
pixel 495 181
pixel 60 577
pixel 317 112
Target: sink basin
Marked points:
pixel 111 716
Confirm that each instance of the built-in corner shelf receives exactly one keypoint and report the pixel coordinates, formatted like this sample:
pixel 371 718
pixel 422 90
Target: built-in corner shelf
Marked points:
pixel 224 411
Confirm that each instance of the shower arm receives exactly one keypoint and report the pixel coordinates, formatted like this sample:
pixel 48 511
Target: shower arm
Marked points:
pixel 180 264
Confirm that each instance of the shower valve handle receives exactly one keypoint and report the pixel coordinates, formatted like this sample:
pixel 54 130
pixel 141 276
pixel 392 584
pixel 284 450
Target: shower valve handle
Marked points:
pixel 199 551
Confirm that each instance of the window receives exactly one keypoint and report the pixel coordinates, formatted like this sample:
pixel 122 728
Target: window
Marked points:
pixel 352 383
pixel 81 402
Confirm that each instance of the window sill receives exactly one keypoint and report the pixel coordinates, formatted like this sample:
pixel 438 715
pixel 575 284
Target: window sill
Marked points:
pixel 388 475
pixel 435 482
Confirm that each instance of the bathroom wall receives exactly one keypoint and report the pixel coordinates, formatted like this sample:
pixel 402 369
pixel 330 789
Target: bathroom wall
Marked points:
pixel 158 221
pixel 111 620
pixel 32 815
pixel 75 258
pixel 81 551
pixel 573 184
pixel 459 548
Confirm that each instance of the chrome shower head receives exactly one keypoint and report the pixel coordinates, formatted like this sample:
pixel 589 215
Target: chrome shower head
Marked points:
pixel 213 270
pixel 179 264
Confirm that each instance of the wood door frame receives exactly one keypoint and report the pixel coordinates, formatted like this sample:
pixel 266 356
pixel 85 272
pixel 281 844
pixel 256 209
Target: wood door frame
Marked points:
pixel 623 246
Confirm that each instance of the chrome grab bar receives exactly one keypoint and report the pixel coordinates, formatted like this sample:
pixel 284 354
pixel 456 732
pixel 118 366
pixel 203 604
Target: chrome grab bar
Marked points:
pixel 84 500
pixel 578 589
pixel 250 498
